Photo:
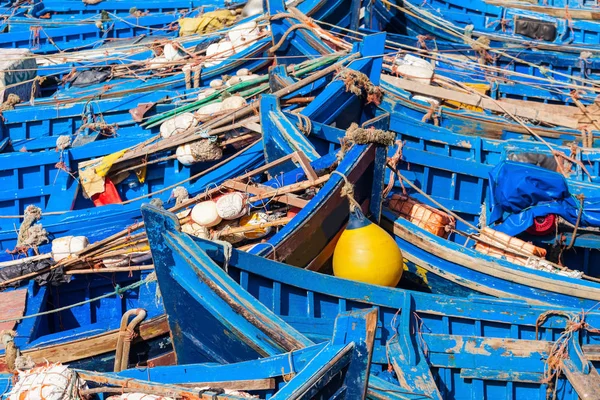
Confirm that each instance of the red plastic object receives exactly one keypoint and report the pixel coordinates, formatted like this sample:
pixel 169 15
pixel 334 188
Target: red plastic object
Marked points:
pixel 293 211
pixel 542 225
pixel 110 195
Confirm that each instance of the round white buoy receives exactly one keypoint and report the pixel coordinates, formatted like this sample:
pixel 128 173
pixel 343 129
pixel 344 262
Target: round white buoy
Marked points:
pixel 232 206
pixel 177 124
pixel 233 102
pixel 205 214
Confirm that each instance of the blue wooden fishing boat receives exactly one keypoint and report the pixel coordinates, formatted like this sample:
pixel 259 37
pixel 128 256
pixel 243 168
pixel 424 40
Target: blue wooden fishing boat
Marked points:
pixel 53 40
pixel 556 124
pixel 436 167
pixel 438 346
pixel 83 322
pixel 518 75
pixel 336 369
pixel 499 23
pixel 62 10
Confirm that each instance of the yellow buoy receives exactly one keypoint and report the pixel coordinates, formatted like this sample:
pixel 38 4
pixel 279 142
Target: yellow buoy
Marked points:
pixel 367 253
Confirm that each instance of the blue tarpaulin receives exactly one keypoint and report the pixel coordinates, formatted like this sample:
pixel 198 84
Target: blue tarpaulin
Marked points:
pixel 519 192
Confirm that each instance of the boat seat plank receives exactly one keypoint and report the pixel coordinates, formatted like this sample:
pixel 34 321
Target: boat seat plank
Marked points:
pixel 13 306
pixel 480 101
pixel 501 375
pixel 587 386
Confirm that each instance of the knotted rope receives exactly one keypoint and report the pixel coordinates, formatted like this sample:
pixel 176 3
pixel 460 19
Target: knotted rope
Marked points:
pixel 227 251
pixel 31 235
pixel 11 352
pixel 37 83
pixel 360 85
pixel 392 163
pixel 431 114
pixel 62 142
pixel 156 202
pixel 559 350
pixel 304 124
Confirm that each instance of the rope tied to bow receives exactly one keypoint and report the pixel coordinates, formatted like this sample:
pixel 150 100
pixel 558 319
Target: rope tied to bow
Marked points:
pixel 348 192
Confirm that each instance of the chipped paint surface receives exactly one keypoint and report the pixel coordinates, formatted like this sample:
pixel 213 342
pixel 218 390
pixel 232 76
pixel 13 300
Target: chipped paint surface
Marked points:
pixel 457 347
pixel 471 347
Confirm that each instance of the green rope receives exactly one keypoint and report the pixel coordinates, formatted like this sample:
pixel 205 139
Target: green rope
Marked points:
pixel 118 291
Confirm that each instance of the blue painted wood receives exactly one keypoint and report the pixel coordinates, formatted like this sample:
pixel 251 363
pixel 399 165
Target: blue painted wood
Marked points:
pixel 72 10
pixel 455 334
pixel 245 322
pixel 315 371
pixel 55 40
pixel 35 128
pixel 477 123
pixel 449 19
pixel 186 337
pixel 36 179
pixel 92 318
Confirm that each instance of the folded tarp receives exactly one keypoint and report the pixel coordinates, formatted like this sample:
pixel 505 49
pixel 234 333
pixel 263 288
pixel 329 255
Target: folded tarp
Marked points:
pixel 520 192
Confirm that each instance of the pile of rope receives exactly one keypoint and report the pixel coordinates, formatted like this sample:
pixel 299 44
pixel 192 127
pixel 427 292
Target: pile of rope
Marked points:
pixel 10 102
pixel 358 135
pixel 359 84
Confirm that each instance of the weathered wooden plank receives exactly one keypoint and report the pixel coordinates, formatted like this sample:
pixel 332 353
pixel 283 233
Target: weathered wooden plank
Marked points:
pixel 304 162
pixel 587 386
pixel 506 376
pixel 570 13
pixel 246 385
pixel 591 351
pixel 93 346
pixel 12 306
pixel 358 326
pixel 260 190
pixel 480 101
